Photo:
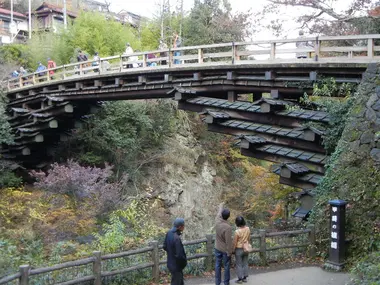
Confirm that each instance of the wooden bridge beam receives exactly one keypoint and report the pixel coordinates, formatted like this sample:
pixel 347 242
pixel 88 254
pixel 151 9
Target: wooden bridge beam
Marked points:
pixel 318 168
pixel 285 141
pixel 296 183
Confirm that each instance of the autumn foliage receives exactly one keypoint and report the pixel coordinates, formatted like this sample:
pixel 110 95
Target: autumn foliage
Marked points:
pixel 81 184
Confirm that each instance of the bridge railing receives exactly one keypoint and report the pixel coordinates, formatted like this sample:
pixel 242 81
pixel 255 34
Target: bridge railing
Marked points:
pixel 96 269
pixel 342 49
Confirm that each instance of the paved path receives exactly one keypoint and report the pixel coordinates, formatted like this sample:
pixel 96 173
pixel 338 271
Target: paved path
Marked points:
pixel 296 276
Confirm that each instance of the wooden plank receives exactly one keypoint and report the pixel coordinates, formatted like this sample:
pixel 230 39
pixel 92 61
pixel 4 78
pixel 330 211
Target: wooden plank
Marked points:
pixel 127 253
pixel 288 233
pixel 65 265
pixel 10 278
pixel 275 139
pixel 296 183
pixel 126 270
pixel 350 37
pixel 280 159
pixel 343 49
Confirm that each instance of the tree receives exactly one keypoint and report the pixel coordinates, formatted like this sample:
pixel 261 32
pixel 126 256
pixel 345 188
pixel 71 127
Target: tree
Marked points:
pixel 211 21
pixel 323 16
pixel 6 136
pixel 21 6
pixel 93 32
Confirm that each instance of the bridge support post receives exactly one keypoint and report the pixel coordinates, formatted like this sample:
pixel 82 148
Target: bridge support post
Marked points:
pixel 232 96
pixel 313 75
pixel 209 258
pixel 24 271
pixel 156 261
pixel 97 268
pixel 263 247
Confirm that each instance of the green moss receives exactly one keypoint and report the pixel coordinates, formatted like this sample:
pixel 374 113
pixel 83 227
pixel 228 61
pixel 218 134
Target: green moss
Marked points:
pixel 358 109
pixel 353 135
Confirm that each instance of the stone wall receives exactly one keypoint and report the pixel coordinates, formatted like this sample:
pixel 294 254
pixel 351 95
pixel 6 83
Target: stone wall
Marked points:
pixel 363 131
pixel 353 173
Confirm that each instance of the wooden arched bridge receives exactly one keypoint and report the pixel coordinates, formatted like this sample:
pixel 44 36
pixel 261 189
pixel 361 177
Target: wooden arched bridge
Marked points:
pixel 213 80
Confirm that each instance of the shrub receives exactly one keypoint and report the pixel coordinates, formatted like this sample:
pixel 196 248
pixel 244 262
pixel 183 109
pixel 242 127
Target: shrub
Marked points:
pixel 81 184
pixel 9 179
pixel 367 271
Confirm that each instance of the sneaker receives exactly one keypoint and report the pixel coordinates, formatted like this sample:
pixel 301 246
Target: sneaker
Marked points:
pixel 244 280
pixel 239 281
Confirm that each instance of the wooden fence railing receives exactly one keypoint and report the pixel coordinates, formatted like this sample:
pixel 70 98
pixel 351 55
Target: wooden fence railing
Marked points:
pixel 341 49
pixel 97 260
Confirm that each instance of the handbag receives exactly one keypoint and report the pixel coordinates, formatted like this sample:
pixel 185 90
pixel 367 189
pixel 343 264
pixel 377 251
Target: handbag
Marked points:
pixel 247 247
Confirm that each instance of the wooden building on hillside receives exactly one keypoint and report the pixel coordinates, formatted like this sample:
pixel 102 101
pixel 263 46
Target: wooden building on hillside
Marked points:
pixel 21 27
pixel 49 17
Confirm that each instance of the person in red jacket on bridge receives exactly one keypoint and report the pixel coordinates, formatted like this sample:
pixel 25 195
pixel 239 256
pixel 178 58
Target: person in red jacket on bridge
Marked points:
pixel 50 65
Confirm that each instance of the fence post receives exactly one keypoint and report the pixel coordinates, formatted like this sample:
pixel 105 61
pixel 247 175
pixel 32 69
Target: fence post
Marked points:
pixel 317 48
pixel 263 247
pixel 233 53
pixel 24 271
pixel 312 246
pixel 170 59
pixel 370 48
pixel 156 261
pixel 120 63
pixel 97 268
pixel 273 51
pixel 209 247
pixel 200 56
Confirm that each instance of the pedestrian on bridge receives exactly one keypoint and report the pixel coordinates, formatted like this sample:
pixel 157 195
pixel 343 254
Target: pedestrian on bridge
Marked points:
pixel 173 246
pixel 80 58
pixel 223 246
pixel 128 50
pixel 177 43
pixel 51 65
pixel 302 45
pixel 40 68
pixel 163 54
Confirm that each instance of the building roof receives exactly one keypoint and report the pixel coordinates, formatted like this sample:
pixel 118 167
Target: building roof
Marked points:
pixel 301 213
pixel 15 14
pixel 96 2
pixel 47 6
pixel 296 168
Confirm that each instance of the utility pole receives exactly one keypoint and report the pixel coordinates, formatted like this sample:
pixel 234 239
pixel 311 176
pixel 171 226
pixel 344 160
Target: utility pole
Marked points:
pixel 30 19
pixel 165 12
pixel 64 14
pixel 180 10
pixel 11 11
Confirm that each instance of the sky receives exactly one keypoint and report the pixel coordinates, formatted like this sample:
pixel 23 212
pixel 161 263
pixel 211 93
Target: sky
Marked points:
pixel 149 8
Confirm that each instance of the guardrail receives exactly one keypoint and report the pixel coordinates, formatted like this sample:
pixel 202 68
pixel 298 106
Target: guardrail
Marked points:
pixel 263 241
pixel 341 49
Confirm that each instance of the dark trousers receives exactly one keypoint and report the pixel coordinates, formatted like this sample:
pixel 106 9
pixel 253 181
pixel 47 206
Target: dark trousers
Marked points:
pixel 177 278
pixel 219 258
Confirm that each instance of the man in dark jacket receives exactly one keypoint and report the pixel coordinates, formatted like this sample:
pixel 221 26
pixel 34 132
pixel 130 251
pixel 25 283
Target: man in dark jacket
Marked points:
pixel 173 246
pixel 223 246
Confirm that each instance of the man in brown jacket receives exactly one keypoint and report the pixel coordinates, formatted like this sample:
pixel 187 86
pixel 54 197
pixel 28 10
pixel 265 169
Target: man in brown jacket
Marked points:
pixel 223 246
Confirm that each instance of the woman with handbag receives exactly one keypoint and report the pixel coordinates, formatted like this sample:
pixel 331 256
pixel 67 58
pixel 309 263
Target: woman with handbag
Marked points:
pixel 241 247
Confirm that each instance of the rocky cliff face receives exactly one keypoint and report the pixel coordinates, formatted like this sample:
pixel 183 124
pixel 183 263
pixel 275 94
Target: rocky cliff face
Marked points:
pixel 183 181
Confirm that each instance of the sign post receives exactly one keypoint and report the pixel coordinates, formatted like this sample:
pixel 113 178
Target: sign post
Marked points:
pixel 337 249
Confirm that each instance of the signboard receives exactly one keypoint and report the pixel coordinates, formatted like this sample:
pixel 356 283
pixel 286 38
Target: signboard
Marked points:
pixel 337 234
